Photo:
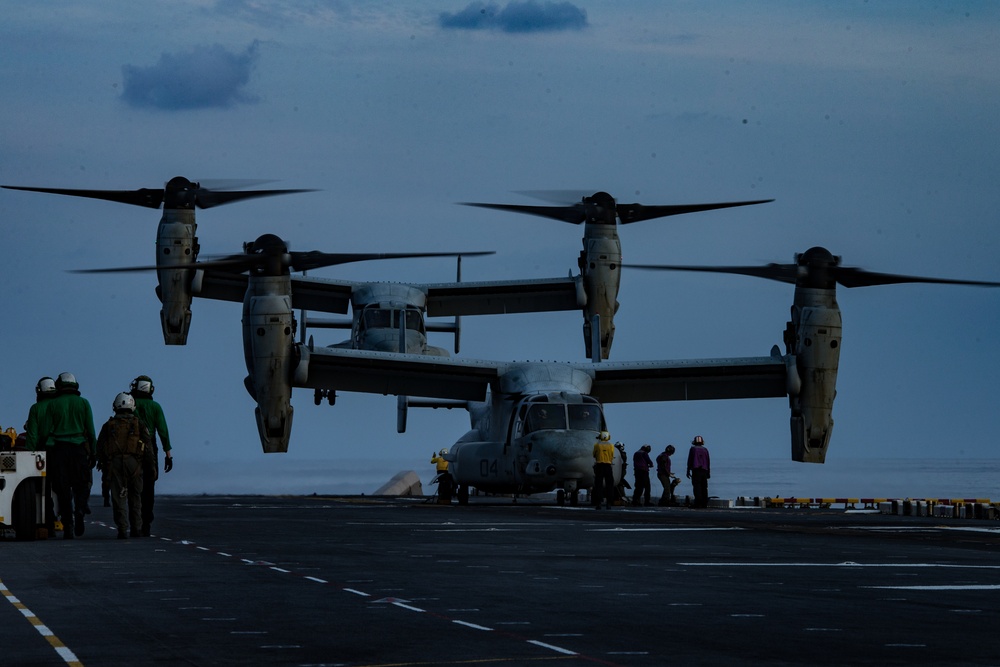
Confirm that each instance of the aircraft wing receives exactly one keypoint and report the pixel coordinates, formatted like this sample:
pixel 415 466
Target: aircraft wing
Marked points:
pixel 504 296
pixel 319 294
pixel 393 373
pixel 611 382
pixel 689 380
pixel 443 299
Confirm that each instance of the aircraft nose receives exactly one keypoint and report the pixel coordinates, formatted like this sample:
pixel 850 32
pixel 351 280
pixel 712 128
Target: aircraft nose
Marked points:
pixel 562 455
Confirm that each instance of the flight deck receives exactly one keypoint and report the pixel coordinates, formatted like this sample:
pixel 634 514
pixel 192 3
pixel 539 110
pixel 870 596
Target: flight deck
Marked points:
pixel 314 580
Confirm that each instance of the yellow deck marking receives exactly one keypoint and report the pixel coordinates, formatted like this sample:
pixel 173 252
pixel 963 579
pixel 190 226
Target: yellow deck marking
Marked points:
pixel 61 650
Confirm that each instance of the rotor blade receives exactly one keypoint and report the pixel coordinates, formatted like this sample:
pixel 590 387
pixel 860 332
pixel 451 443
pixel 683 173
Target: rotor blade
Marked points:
pixel 150 198
pixel 236 264
pixel 306 261
pixel 121 269
pixel 791 273
pixel 786 273
pixel 853 277
pixel 638 212
pixel 571 214
pixel 565 197
pixel 232 183
pixel 209 198
pixel 297 261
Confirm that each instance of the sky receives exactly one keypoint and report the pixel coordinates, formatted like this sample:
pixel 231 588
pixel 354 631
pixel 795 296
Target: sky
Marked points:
pixel 872 125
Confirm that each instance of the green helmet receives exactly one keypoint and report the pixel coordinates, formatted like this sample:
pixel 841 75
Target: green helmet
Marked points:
pixel 143 384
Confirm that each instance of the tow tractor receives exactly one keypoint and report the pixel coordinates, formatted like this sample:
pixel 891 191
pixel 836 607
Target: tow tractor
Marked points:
pixel 23 499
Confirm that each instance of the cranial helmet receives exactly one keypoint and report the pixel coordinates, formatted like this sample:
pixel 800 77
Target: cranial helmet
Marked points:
pixel 67 380
pixel 46 385
pixel 143 384
pixel 444 450
pixel 605 436
pixel 124 401
pixel 698 440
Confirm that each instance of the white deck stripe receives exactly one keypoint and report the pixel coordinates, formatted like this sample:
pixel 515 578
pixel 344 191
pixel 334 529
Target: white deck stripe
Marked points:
pixel 473 626
pixel 557 649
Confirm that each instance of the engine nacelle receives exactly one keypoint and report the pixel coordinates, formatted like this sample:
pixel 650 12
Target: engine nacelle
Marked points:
pixel 269 337
pixel 600 266
pixel 813 337
pixel 176 246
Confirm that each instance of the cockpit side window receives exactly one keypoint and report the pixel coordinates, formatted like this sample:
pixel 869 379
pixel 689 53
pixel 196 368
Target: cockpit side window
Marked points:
pixel 414 320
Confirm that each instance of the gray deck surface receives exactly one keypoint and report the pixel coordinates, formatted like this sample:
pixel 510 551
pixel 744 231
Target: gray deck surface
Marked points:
pixel 375 581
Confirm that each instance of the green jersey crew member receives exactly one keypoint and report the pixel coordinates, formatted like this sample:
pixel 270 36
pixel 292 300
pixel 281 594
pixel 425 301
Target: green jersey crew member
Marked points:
pixel 151 415
pixel 36 437
pixel 73 454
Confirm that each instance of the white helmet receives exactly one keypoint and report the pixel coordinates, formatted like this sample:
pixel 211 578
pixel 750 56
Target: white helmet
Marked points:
pixel 605 436
pixel 67 380
pixel 45 386
pixel 124 401
pixel 444 450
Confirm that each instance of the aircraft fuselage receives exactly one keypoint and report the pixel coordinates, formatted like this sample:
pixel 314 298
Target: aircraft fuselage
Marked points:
pixel 536 435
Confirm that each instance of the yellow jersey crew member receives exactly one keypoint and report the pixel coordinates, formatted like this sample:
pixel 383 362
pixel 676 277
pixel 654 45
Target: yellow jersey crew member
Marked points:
pixel 444 480
pixel 604 473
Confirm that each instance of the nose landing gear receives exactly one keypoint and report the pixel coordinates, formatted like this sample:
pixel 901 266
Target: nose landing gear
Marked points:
pixel 574 495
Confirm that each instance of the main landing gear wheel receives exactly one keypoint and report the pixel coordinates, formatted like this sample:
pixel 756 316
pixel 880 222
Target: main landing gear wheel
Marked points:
pixel 574 497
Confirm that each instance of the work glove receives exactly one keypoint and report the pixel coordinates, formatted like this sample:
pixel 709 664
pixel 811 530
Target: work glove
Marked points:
pixel 168 464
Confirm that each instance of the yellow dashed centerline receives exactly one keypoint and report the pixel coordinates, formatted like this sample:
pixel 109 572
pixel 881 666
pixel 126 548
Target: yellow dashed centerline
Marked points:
pixel 61 650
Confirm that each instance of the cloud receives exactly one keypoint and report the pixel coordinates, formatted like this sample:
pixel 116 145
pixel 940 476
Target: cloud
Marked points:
pixel 529 16
pixel 205 77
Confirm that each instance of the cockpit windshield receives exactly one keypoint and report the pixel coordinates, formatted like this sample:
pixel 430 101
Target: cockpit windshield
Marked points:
pixel 543 416
pixel 389 318
pixel 540 415
pixel 584 417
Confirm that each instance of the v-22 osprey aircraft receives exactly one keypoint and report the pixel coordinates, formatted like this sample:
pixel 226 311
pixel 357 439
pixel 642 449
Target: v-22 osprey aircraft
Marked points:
pixel 386 316
pixel 534 423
